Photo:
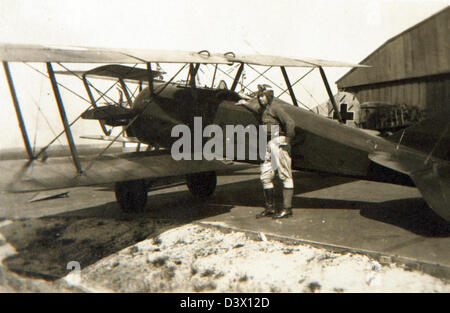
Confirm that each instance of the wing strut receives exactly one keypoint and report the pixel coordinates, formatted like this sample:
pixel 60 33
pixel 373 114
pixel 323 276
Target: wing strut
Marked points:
pixel 288 84
pixel 124 129
pixel 62 113
pixel 102 94
pixel 23 129
pixel 257 77
pixel 297 81
pixel 278 86
pixel 193 70
pixel 330 95
pixel 94 103
pixel 238 76
pixel 150 78
pixel 127 94
pixel 214 75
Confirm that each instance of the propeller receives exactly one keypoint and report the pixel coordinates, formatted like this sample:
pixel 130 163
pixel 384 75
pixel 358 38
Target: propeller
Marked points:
pixel 120 97
pixel 121 103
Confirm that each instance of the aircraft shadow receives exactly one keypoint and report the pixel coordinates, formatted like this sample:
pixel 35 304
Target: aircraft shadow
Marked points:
pixel 412 214
pixel 250 193
pixel 46 245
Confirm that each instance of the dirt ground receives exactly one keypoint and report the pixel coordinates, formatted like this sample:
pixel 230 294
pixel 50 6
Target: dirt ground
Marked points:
pixel 169 248
pixel 194 258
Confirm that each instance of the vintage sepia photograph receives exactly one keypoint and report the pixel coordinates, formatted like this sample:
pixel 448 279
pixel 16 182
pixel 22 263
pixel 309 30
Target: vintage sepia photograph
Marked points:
pixel 225 152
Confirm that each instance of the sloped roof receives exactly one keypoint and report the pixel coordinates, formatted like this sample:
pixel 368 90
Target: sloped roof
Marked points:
pixel 421 50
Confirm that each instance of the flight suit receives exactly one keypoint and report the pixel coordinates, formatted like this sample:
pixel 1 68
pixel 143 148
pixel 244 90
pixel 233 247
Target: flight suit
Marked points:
pixel 280 130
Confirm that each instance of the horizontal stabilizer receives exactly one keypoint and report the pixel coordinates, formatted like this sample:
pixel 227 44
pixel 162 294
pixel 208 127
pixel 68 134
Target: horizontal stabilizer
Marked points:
pixel 403 161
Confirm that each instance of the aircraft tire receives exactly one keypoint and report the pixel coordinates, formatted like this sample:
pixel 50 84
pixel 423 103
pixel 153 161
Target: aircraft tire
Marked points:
pixel 131 195
pixel 202 185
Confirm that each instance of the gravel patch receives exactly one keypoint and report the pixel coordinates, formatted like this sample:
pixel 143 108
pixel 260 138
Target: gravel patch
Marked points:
pixel 194 258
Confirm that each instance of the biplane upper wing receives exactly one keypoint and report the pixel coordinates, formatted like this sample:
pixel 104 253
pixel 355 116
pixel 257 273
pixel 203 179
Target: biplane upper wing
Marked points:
pixel 271 60
pixel 39 53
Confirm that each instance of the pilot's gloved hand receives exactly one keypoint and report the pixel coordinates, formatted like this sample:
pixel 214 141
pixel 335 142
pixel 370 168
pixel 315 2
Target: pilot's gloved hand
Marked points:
pixel 244 96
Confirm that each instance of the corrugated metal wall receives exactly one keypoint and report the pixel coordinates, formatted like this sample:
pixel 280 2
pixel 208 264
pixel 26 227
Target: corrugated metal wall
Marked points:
pixel 412 68
pixel 431 93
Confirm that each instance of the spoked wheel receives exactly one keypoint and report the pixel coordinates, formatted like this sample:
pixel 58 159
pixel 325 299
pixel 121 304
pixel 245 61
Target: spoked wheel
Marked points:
pixel 131 195
pixel 202 185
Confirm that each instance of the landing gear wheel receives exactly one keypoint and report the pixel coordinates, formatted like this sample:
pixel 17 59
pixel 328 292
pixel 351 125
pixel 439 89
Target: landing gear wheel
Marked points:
pixel 131 195
pixel 202 185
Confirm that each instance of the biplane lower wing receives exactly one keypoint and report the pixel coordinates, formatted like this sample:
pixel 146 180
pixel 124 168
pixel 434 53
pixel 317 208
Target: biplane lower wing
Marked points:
pixel 56 173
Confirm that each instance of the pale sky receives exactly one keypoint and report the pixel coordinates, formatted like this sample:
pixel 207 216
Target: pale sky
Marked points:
pixel 337 30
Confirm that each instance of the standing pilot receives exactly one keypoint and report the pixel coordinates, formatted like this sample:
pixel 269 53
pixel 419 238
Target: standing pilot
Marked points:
pixel 280 130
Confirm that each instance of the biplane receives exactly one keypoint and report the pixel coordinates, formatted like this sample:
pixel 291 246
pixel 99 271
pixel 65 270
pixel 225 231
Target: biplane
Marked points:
pixel 415 156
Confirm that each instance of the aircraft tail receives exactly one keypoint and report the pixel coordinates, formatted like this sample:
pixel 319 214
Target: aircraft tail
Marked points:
pixel 430 136
pixel 426 159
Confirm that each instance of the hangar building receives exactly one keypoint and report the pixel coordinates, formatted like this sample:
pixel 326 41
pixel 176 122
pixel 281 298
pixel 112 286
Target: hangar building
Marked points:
pixel 410 70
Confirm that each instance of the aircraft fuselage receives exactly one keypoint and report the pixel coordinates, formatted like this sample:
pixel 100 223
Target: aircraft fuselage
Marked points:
pixel 347 154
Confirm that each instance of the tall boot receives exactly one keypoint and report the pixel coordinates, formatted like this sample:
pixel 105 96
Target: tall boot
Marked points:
pixel 288 193
pixel 268 198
